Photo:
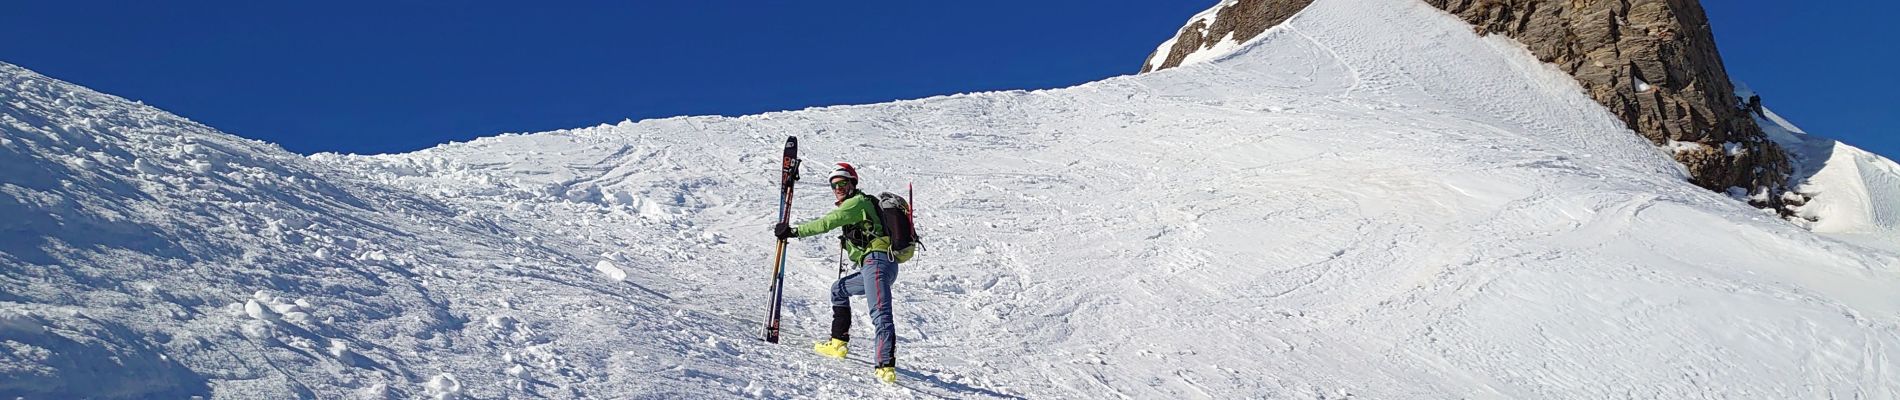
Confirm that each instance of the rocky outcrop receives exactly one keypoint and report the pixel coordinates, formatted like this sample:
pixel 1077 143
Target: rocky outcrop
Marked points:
pixel 1233 20
pixel 1653 63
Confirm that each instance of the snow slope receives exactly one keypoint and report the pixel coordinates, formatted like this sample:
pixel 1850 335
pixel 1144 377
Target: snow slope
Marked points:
pixel 1367 202
pixel 144 255
pixel 1855 193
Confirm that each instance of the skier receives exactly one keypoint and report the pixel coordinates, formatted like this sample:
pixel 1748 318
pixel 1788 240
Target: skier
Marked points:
pixel 870 248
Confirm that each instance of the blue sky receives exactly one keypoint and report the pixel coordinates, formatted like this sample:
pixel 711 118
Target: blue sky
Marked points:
pixel 373 77
pixel 1826 66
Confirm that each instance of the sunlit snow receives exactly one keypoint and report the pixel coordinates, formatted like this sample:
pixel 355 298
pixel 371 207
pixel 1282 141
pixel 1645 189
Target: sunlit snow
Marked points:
pixel 1367 202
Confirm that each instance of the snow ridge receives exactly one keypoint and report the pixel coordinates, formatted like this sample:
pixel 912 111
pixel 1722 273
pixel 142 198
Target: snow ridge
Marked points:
pixel 1852 191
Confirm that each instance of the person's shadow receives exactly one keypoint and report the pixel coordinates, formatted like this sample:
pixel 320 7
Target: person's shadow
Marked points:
pixel 961 391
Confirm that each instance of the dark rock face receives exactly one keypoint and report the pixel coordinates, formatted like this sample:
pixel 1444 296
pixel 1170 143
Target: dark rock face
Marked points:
pixel 1243 18
pixel 1653 63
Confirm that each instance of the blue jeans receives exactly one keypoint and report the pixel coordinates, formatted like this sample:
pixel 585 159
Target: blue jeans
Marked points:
pixel 874 283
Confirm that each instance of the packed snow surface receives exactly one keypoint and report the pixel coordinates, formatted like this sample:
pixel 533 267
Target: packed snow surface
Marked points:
pixel 1366 202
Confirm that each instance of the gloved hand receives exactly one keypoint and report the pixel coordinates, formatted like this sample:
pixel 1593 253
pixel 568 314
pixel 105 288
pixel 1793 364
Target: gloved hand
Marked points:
pixel 782 230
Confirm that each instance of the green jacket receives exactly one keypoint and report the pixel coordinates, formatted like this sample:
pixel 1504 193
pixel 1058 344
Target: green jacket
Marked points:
pixel 859 211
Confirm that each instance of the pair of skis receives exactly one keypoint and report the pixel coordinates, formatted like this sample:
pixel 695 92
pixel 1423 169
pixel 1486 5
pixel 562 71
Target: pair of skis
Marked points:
pixel 788 174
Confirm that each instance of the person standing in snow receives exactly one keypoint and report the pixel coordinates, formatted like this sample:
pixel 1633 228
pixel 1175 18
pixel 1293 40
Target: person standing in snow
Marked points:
pixel 870 248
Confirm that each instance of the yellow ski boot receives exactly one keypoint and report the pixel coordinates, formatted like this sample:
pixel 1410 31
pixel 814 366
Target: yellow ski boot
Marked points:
pixel 834 349
pixel 887 374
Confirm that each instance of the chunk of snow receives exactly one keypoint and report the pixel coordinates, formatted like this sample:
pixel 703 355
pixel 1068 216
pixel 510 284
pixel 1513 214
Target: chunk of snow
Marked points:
pixel 257 310
pixel 298 318
pixel 146 167
pixel 443 387
pixel 1682 147
pixel 610 270
pixel 376 391
pixel 257 330
pixel 502 322
pixel 338 348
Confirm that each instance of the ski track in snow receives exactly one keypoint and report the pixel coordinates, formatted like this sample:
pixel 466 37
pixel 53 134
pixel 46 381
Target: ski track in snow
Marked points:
pixel 1332 211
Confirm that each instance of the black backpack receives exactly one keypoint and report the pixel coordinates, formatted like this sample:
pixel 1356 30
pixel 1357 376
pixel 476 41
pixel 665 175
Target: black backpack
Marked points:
pixel 893 212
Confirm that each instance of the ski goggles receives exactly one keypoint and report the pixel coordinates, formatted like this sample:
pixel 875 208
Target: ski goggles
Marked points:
pixel 842 184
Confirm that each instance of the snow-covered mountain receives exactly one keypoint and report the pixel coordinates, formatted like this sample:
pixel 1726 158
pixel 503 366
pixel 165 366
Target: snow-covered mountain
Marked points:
pixel 1367 201
pixel 1652 63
